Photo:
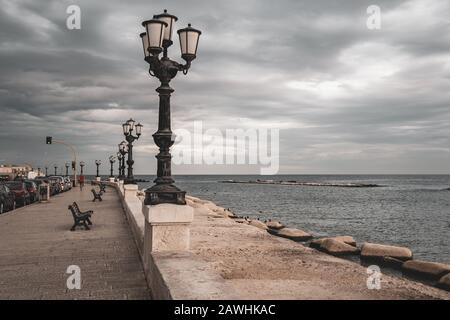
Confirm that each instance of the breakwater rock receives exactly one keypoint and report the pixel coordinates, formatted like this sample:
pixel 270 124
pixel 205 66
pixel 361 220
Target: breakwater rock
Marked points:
pixel 291 233
pixel 345 239
pixel 425 269
pixel 373 251
pixel 338 248
pixel 308 184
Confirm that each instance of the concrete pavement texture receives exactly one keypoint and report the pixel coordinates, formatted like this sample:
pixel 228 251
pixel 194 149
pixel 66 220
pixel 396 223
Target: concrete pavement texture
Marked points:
pixel 37 247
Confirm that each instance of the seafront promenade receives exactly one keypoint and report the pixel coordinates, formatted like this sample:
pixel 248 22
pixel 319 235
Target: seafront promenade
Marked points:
pixel 226 259
pixel 36 248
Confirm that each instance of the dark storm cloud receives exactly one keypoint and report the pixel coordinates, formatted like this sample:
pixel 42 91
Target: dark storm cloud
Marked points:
pixel 345 98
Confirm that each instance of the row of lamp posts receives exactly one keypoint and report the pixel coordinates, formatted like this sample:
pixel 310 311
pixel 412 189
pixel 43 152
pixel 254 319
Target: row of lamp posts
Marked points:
pixel 131 132
pixel 67 165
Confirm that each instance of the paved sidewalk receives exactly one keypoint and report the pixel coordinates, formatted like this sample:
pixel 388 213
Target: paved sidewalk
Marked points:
pixel 36 247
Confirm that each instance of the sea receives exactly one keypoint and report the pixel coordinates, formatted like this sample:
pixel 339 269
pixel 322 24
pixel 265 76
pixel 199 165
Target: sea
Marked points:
pixel 405 210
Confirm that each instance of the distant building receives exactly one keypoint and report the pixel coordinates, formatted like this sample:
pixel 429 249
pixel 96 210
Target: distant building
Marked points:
pixel 10 172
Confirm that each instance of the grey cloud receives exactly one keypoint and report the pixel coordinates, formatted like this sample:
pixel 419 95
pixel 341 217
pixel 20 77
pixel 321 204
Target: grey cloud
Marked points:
pixel 80 85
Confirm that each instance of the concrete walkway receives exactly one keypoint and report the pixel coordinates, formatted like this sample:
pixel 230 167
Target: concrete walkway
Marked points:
pixel 36 247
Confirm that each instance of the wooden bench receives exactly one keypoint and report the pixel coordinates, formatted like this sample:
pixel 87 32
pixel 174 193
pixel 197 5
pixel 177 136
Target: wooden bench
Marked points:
pixel 97 196
pixel 80 219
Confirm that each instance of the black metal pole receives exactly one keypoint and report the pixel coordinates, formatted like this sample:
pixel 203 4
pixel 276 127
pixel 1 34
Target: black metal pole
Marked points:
pixel 112 169
pixel 46 171
pixel 56 168
pixel 82 169
pixel 130 161
pixel 164 190
pixel 67 171
pixel 98 170
pixel 123 166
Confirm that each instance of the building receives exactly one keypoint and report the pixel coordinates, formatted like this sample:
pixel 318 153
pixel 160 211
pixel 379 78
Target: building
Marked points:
pixel 10 172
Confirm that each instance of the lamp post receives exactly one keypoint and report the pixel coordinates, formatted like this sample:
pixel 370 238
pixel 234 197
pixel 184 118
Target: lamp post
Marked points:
pixel 123 150
pixel 128 128
pixel 67 169
pixel 46 171
pixel 155 40
pixel 119 158
pixel 82 164
pixel 56 169
pixel 98 163
pixel 112 159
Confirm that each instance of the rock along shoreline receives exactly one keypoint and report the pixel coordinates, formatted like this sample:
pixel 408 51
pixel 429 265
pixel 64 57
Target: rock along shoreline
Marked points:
pixel 247 251
pixel 307 184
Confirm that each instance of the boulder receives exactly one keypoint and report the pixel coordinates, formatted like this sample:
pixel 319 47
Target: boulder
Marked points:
pixel 230 213
pixel 291 233
pixel 258 224
pixel 425 269
pixel 274 225
pixel 345 239
pixel 373 251
pixel 337 248
pixel 392 262
pixel 444 282
pixel 223 212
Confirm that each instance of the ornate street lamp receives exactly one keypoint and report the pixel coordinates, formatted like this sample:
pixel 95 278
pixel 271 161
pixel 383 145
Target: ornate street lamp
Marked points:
pixel 123 150
pixel 155 40
pixel 67 169
pixel 98 163
pixel 128 128
pixel 56 169
pixel 112 159
pixel 119 158
pixel 82 164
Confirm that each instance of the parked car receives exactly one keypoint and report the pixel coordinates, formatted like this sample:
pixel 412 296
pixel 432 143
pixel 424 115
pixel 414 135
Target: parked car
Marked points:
pixel 61 182
pixel 21 194
pixel 68 183
pixel 32 190
pixel 54 185
pixel 7 199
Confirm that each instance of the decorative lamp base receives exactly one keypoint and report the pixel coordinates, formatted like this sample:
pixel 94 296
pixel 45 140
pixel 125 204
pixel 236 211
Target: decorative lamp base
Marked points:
pixel 164 193
pixel 129 181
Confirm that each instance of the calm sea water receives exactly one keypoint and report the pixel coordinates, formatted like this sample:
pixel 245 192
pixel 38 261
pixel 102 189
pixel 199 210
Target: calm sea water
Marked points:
pixel 408 210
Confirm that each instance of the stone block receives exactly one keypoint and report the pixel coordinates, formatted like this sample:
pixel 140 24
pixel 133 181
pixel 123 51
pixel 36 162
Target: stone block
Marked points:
pixel 372 251
pixel 425 269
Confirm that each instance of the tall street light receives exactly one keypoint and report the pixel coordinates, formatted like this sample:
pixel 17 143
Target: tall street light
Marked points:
pixel 56 169
pixel 98 163
pixel 46 171
pixel 123 150
pixel 119 161
pixel 67 169
pixel 157 39
pixel 112 159
pixel 82 164
pixel 128 128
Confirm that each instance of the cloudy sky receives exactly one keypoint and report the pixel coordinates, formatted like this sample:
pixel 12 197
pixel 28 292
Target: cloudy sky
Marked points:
pixel 345 98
